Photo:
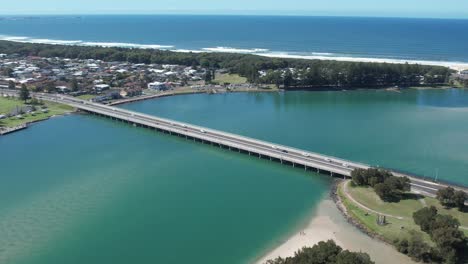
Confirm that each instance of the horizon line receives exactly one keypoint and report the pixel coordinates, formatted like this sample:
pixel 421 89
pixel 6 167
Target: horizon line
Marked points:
pixel 228 14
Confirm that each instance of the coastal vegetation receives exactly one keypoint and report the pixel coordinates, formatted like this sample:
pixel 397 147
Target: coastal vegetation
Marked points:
pixel 450 198
pixel 324 253
pixel 388 187
pixel 282 72
pixel 418 226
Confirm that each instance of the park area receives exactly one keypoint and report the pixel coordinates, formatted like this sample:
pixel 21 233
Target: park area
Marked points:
pixel 364 205
pixel 15 112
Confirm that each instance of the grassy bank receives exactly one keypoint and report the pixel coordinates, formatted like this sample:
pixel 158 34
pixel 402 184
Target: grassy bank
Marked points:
pixel 9 104
pixel 229 78
pixel 397 227
pixel 86 96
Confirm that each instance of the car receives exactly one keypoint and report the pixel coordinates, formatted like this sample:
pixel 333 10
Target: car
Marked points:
pixel 284 151
pixel 328 160
pixel 203 131
pixel 184 126
pixel 305 154
pixel 346 165
pixel 274 147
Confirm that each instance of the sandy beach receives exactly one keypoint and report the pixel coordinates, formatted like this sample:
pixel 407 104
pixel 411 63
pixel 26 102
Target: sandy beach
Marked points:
pixel 328 223
pixel 454 65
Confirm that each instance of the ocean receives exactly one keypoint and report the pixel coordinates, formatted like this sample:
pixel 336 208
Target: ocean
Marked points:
pixel 387 39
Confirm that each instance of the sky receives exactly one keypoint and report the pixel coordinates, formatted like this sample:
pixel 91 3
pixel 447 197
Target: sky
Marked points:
pixel 375 8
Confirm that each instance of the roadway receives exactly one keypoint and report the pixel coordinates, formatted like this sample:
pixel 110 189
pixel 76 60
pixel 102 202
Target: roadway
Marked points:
pixel 284 154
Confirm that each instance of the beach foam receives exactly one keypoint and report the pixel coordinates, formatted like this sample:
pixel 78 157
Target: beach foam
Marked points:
pixel 254 51
pixel 83 43
pixel 450 64
pixel 235 50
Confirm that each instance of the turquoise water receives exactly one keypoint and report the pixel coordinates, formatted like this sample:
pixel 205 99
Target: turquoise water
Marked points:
pixel 84 189
pixel 424 132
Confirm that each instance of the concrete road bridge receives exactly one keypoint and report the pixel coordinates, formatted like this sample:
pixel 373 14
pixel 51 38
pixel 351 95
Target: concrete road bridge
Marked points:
pixel 294 157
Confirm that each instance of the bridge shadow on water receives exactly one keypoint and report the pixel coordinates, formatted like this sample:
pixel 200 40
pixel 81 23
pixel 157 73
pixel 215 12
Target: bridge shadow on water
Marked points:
pixel 176 137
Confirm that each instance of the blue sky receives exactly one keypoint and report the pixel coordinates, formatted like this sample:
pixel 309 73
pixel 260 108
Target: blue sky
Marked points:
pixel 398 8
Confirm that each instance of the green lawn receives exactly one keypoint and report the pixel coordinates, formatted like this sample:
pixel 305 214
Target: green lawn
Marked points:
pixel 229 78
pixel 367 196
pixel 8 104
pixel 86 96
pixel 404 208
pixel 394 229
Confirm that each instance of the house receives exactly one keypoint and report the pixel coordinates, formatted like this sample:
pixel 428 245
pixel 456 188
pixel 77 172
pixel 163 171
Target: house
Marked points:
pixel 130 92
pixel 62 89
pixel 464 72
pixel 160 86
pixel 101 87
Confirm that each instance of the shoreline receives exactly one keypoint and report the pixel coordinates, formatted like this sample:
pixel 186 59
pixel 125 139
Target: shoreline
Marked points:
pixel 187 92
pixel 328 222
pixel 454 65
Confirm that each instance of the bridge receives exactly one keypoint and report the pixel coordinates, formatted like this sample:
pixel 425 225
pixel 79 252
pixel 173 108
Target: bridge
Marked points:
pixel 306 160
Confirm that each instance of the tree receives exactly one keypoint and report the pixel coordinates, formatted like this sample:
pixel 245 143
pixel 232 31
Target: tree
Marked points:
pixel 424 217
pixel 445 196
pixel 418 249
pixel 385 192
pixel 443 222
pixel 324 253
pixel 50 87
pixel 347 257
pixel 8 72
pixel 448 197
pixel 24 93
pixel 358 176
pixel 11 85
pixel 208 77
pixel 459 199
pixel 288 79
pixel 74 85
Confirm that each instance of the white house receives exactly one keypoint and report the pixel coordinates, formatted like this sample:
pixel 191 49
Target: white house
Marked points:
pixel 63 89
pixel 101 87
pixel 160 86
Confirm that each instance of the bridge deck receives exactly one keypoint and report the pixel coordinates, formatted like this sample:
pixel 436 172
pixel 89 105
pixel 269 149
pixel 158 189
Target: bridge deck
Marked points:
pixel 263 149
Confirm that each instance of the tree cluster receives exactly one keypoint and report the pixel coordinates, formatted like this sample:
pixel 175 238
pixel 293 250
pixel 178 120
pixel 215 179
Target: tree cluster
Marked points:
pixel 308 74
pixel 450 242
pixel 24 93
pixel 450 198
pixel 324 253
pixel 388 187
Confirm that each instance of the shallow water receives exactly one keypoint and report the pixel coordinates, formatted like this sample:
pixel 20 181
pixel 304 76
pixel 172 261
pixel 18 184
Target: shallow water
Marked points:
pixel 424 132
pixel 84 189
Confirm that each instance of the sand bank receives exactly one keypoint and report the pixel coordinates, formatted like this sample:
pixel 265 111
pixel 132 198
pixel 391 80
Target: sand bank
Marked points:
pixel 328 223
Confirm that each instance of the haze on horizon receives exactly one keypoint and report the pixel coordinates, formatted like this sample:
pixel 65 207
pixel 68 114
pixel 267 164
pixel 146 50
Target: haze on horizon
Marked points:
pixel 381 8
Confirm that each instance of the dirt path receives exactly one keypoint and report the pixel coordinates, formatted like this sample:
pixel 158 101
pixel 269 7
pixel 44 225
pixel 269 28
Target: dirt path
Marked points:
pixel 345 190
